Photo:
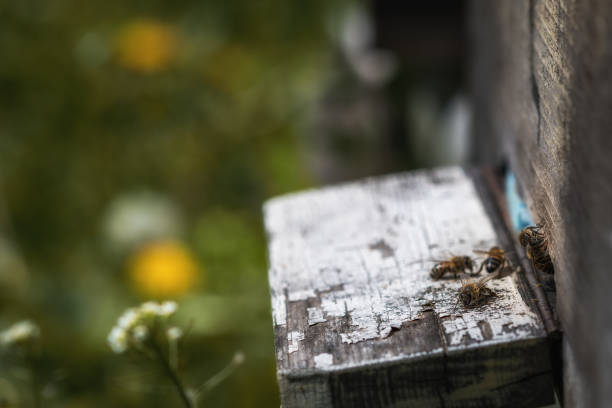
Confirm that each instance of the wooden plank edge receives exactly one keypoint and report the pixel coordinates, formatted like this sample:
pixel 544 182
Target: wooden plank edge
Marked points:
pixel 472 378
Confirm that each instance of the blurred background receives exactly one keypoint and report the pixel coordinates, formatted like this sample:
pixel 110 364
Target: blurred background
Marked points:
pixel 138 141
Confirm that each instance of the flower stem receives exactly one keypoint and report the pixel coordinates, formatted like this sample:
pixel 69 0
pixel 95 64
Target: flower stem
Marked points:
pixel 218 378
pixel 172 375
pixel 34 384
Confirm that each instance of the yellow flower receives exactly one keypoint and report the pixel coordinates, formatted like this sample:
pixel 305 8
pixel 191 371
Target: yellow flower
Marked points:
pixel 163 269
pixel 146 46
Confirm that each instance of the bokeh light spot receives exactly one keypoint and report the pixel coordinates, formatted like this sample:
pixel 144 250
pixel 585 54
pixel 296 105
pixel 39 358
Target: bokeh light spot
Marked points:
pixel 146 46
pixel 163 269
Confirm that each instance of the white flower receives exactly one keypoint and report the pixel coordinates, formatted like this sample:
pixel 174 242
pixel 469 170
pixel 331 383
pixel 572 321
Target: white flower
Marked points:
pixel 128 319
pixel 168 308
pixel 140 333
pixel 174 333
pixel 148 309
pixel 134 326
pixel 20 332
pixel 117 339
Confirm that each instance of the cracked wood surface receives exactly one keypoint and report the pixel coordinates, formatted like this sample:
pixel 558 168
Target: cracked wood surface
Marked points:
pixel 359 322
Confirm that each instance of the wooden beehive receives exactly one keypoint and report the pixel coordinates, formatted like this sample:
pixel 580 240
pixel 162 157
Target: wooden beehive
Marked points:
pixel 541 72
pixel 359 322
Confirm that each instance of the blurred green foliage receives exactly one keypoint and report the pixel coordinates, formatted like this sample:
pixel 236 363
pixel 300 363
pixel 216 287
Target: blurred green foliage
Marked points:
pixel 195 103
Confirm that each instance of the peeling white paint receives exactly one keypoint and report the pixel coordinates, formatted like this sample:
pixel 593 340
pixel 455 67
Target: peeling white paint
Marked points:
pixel 509 320
pixel 279 310
pixel 293 339
pixel 296 295
pixel 385 332
pixel 315 315
pixel 323 360
pixel 364 250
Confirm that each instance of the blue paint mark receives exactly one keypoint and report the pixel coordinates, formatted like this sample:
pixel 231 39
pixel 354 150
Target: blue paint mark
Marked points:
pixel 519 214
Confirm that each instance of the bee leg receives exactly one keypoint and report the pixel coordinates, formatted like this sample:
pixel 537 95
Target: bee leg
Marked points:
pixel 457 303
pixel 503 268
pixel 533 265
pixel 507 264
pixel 481 266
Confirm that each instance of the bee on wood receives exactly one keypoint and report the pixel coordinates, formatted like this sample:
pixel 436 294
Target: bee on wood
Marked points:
pixel 475 293
pixel 455 265
pixel 535 243
pixel 496 260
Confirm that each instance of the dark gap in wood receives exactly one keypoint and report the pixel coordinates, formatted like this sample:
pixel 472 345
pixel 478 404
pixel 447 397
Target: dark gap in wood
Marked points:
pixel 556 361
pixel 436 317
pixel 545 299
pixel 492 193
pixel 535 90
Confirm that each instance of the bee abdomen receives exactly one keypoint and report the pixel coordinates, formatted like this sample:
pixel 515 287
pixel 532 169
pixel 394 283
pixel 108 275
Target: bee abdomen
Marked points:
pixel 538 251
pixel 492 264
pixel 539 243
pixel 543 262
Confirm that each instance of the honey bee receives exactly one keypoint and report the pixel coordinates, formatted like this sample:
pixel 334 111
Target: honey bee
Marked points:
pixel 455 265
pixel 536 246
pixel 495 261
pixel 475 293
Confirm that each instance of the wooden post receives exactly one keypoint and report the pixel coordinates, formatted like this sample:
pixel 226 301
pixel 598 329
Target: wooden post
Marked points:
pixel 542 73
pixel 359 322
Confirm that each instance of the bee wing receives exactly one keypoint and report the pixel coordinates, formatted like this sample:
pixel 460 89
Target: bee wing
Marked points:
pixel 419 261
pixel 483 252
pixel 434 260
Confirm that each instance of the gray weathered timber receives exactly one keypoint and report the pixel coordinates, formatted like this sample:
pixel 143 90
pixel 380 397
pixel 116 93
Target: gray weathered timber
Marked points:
pixel 358 321
pixel 542 72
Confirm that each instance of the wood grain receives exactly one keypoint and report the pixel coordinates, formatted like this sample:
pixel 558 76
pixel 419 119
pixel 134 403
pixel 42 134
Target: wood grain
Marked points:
pixel 359 322
pixel 541 80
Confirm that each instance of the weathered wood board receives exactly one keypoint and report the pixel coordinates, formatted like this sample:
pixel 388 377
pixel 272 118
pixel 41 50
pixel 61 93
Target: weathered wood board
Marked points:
pixel 359 322
pixel 541 86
